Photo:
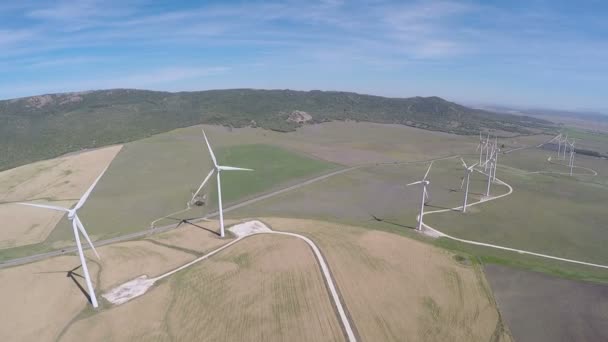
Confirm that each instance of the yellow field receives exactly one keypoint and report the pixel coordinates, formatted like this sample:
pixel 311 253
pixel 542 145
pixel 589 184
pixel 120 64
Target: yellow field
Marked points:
pixel 62 179
pixel 39 300
pixel 42 300
pixel 265 288
pixel 399 289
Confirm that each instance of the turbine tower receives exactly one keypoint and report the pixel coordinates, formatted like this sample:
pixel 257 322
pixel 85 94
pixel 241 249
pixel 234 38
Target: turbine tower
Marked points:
pixel 77 226
pixel 467 174
pixel 572 153
pixel 559 146
pixel 480 147
pixel 425 195
pixel 489 178
pixel 216 168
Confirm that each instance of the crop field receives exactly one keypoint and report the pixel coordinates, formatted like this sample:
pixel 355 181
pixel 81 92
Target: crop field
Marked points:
pixel 154 177
pixel 44 299
pixel 411 291
pixel 243 293
pixel 544 308
pixel 61 180
pixel 265 287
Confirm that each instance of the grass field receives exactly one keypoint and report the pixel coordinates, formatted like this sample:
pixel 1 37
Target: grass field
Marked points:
pixel 550 214
pixel 530 302
pixel 156 176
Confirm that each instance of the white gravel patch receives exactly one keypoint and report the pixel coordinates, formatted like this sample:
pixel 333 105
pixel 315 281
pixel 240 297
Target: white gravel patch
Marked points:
pixel 248 228
pixel 129 290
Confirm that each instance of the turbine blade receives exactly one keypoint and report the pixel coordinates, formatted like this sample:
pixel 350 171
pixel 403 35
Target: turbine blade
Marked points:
pixel 472 166
pixel 52 207
pixel 86 236
pixel 202 184
pixel 88 193
pixel 231 168
pixel 418 182
pixel 427 171
pixel 210 150
pixel 463 163
pixel 462 183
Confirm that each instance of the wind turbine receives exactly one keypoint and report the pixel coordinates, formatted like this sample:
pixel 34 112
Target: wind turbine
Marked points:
pixel 495 164
pixel 489 178
pixel 217 168
pixel 559 145
pixel 425 195
pixel 467 173
pixel 572 152
pixel 566 144
pixel 77 226
pixel 487 151
pixel 480 147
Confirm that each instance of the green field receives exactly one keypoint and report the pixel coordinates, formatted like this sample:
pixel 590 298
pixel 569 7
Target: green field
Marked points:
pixel 156 176
pixel 551 214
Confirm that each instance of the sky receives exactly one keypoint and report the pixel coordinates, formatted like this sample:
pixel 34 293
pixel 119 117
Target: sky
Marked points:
pixel 521 53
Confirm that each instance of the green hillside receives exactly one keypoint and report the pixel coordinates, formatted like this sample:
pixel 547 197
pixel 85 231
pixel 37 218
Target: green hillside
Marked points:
pixel 46 126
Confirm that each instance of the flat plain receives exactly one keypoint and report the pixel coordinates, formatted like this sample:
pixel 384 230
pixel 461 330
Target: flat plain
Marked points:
pixel 540 307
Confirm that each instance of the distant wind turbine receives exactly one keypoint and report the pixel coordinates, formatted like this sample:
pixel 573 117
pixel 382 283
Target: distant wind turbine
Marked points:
pixel 572 153
pixel 467 174
pixel 480 147
pixel 217 168
pixel 489 178
pixel 425 195
pixel 77 226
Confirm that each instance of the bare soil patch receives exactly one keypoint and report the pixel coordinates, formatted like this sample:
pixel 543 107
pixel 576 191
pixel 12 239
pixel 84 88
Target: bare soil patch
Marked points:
pixel 39 299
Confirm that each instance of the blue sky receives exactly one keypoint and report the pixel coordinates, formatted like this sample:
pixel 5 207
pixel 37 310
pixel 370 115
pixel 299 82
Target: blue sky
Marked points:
pixel 527 53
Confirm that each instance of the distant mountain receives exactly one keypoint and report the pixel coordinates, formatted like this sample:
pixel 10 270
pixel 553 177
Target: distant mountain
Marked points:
pixel 549 113
pixel 40 127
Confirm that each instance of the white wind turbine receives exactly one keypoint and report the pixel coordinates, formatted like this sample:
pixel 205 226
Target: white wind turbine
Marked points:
pixel 467 174
pixel 559 145
pixel 217 168
pixel 480 148
pixel 487 151
pixel 572 152
pixel 565 141
pixel 425 195
pixel 490 177
pixel 77 226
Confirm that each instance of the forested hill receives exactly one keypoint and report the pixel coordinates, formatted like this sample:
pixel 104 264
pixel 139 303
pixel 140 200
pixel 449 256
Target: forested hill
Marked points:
pixel 41 127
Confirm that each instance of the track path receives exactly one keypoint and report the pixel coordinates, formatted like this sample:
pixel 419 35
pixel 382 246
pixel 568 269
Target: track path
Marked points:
pixel 437 233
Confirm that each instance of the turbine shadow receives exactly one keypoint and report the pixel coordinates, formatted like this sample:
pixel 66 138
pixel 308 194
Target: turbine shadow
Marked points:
pixel 187 221
pixel 379 219
pixel 436 206
pixel 72 275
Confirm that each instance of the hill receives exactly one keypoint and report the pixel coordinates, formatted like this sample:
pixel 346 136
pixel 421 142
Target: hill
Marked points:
pixel 41 127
